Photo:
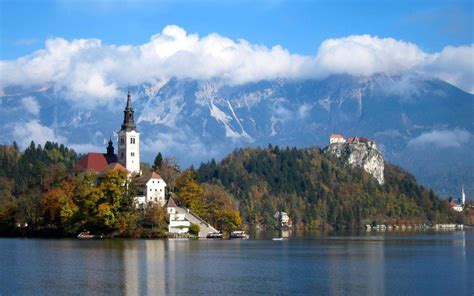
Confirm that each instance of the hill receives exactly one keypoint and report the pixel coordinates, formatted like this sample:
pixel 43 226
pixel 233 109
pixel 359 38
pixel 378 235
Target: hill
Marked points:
pixel 319 189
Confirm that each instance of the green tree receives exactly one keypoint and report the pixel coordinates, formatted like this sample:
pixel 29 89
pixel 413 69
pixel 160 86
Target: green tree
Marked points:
pixel 158 162
pixel 194 229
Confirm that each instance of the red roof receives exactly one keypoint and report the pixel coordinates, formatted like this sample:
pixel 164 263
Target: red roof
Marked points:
pixel 335 136
pixel 92 161
pixel 155 175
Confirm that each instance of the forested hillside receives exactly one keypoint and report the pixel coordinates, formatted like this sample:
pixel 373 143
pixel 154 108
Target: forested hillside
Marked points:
pixel 41 194
pixel 318 190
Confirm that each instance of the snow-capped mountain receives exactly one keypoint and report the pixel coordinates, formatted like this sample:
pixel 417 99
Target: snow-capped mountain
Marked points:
pixel 424 125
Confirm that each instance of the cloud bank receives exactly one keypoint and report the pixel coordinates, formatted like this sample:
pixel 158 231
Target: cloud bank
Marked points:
pixel 34 131
pixel 441 139
pixel 88 72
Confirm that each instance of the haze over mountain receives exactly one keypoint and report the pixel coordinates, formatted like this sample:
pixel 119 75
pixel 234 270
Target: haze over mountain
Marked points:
pixel 198 98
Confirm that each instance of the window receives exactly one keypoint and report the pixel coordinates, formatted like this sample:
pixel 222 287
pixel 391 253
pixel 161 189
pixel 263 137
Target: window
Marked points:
pixel 150 189
pixel 132 140
pixel 156 189
pixel 121 155
pixel 132 153
pixel 122 141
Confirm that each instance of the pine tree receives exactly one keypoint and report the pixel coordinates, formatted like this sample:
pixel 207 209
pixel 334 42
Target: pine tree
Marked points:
pixel 158 162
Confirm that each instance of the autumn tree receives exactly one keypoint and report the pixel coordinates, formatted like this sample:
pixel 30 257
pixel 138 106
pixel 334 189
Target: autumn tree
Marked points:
pixel 58 205
pixel 221 209
pixel 189 192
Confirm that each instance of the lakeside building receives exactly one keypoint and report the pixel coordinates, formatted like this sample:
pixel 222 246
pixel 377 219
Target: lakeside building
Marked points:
pixel 284 219
pixel 180 219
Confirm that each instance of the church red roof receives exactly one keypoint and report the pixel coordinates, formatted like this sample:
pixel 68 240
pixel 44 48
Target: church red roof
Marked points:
pixel 92 161
pixel 336 136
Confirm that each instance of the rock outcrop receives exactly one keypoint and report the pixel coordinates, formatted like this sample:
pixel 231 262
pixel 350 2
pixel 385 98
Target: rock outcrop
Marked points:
pixel 360 153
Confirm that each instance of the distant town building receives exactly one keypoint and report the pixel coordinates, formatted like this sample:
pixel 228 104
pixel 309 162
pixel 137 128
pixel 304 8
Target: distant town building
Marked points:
pixel 283 219
pixel 458 205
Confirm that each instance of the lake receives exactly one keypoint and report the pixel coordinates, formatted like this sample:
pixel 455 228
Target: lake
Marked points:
pixel 432 263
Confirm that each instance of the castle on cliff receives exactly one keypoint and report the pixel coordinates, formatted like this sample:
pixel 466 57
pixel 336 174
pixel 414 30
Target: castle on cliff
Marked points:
pixel 358 151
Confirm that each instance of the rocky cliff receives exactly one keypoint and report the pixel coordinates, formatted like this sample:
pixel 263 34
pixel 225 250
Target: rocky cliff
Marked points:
pixel 362 154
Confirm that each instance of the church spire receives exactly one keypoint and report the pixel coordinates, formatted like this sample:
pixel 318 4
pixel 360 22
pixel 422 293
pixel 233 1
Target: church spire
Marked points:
pixel 110 148
pixel 128 121
pixel 129 100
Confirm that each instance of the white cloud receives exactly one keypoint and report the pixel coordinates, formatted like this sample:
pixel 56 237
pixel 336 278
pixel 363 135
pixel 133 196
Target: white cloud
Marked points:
pixel 454 65
pixel 365 55
pixel 89 73
pixel 31 105
pixel 34 131
pixel 441 139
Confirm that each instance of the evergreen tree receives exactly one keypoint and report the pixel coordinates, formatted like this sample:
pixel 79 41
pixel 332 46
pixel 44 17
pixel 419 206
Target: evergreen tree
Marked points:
pixel 158 162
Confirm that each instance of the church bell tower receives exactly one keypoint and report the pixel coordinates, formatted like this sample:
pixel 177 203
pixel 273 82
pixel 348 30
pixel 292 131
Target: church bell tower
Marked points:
pixel 129 140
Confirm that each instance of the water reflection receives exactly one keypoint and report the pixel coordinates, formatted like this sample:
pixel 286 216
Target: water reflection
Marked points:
pixel 329 265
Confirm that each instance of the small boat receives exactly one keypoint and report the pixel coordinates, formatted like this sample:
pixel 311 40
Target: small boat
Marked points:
pixel 214 235
pixel 88 235
pixel 278 239
pixel 239 234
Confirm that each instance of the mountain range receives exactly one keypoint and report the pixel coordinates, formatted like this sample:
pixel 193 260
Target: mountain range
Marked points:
pixel 422 124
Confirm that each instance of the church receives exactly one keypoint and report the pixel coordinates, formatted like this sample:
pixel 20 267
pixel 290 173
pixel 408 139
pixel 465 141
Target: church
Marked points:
pixel 151 187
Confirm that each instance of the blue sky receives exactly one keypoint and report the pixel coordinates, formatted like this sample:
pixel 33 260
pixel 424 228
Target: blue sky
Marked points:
pixel 299 26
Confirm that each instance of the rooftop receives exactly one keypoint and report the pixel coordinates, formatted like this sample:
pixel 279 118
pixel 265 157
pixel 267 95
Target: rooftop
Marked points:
pixel 145 177
pixel 93 161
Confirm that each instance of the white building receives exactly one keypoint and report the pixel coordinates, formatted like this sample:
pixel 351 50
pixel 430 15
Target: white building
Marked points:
pixel 180 219
pixel 459 206
pixel 283 218
pixel 178 222
pixel 151 188
pixel 334 139
pixel 129 140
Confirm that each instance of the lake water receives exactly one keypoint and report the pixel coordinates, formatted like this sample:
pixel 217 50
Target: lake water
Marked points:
pixel 368 264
